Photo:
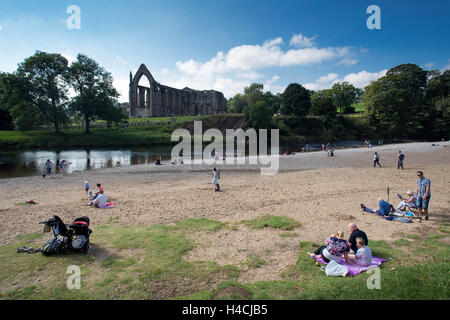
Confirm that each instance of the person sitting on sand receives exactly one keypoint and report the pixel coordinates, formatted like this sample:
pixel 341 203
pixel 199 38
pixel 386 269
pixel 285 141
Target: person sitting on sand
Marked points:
pixel 90 196
pixel 335 246
pixel 384 208
pixel 100 201
pixel 409 202
pixel 100 189
pixel 158 161
pixel 363 256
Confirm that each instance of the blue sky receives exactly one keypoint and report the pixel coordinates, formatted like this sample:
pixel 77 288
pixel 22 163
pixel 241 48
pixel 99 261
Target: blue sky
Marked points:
pixel 227 44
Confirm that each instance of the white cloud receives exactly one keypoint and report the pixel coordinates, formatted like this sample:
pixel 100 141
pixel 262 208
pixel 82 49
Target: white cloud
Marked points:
pixel 447 67
pixel 269 54
pixel 328 78
pixel 347 61
pixel 1 28
pixel 363 78
pixel 359 80
pixel 301 41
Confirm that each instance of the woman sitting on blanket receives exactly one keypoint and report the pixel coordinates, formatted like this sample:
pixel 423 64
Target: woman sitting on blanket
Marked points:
pixel 363 256
pixel 334 248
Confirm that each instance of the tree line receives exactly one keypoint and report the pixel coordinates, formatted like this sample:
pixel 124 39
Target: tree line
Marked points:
pixel 37 93
pixel 408 102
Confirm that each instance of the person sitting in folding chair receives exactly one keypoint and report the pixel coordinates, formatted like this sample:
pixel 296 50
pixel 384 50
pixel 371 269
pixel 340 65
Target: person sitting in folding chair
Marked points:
pixel 407 203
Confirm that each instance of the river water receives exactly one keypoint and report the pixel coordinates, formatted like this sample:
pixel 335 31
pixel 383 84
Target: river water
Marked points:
pixel 21 163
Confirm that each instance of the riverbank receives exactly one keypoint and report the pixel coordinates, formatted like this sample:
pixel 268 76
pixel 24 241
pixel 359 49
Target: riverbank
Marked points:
pixel 140 133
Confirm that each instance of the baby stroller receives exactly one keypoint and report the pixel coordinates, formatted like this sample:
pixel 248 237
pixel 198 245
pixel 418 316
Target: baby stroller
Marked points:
pixel 66 238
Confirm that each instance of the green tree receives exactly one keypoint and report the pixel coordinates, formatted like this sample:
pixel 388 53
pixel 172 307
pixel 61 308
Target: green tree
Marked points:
pixel 45 78
pixel 254 93
pixel 259 115
pixel 322 104
pixel 344 95
pixel 296 101
pixel 14 100
pixel 96 95
pixel 395 102
pixel 274 101
pixel 237 103
pixel 437 97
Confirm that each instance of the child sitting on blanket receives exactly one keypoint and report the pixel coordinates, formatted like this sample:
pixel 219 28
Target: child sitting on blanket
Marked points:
pixel 363 256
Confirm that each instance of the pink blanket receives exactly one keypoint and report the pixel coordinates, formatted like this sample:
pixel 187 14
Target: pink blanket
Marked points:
pixel 353 270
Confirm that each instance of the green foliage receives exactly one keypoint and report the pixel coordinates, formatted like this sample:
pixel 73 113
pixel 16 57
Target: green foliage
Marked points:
pixel 322 104
pixel 395 102
pixel 344 95
pixel 296 101
pixel 44 79
pixel 237 103
pixel 259 115
pixel 96 95
pixel 6 122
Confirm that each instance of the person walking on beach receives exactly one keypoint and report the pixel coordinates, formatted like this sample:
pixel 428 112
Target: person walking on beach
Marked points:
pixel 423 194
pixel 216 177
pixel 376 159
pixel 400 159
pixel 48 166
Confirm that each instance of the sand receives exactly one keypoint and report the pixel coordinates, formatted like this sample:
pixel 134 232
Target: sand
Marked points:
pixel 323 194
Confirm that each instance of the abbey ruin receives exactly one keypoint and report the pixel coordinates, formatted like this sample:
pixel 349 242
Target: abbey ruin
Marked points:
pixel 163 101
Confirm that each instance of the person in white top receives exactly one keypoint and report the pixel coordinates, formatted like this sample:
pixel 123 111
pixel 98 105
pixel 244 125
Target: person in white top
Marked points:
pixel 410 202
pixel 363 256
pixel 100 201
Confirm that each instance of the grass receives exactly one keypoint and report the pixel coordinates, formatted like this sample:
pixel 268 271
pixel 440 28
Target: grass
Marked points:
pixel 278 222
pixel 146 262
pixel 255 262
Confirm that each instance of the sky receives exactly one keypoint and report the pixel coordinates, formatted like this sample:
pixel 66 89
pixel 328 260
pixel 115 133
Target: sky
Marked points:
pixel 226 45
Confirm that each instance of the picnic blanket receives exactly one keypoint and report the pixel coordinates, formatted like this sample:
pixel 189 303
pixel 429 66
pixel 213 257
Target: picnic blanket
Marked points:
pixel 353 270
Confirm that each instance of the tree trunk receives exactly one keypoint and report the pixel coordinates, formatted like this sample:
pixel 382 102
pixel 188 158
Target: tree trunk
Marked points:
pixel 87 123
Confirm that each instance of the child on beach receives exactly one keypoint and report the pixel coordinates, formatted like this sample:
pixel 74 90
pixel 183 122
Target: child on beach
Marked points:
pixel 216 177
pixel 86 186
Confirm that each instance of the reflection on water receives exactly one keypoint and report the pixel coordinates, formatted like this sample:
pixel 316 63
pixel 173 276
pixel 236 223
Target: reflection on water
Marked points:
pixel 27 163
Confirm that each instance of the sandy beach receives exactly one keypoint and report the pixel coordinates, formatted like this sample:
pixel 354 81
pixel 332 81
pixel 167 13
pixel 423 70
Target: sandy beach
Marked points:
pixel 324 194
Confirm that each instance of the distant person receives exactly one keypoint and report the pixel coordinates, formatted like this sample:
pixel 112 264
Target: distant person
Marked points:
pixel 376 159
pixel 158 161
pixel 323 147
pixel 409 202
pixel 86 186
pixel 48 166
pixel 216 177
pixel 400 159
pixel 356 233
pixel 423 194
pixel 100 201
pixel 384 208
pixel 363 256
pixel 61 166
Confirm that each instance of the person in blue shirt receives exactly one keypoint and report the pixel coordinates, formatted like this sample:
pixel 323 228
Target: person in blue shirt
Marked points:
pixel 423 194
pixel 384 208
